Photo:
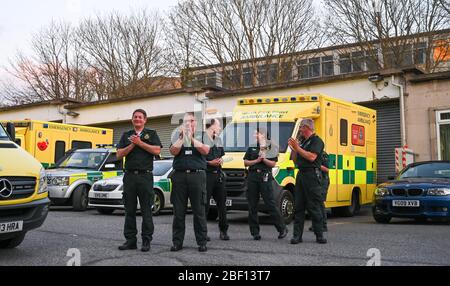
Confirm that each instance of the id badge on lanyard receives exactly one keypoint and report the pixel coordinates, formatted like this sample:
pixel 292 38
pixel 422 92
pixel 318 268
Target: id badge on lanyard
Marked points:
pixel 188 152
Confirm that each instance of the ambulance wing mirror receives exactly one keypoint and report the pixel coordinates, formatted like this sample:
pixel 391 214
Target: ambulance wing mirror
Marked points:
pixel 11 129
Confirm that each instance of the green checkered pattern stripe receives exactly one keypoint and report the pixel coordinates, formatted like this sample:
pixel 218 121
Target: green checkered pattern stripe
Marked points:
pixel 352 170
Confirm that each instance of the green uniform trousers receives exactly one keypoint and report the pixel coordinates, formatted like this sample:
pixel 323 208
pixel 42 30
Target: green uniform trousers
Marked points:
pixel 308 196
pixel 215 187
pixel 138 186
pixel 325 186
pixel 256 187
pixel 190 186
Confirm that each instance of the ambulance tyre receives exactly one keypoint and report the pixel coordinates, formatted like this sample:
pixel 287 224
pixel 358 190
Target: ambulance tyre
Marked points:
pixel 105 211
pixel 80 198
pixel 350 210
pixel 286 206
pixel 12 242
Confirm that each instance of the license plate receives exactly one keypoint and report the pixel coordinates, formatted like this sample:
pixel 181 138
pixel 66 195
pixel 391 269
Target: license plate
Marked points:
pixel 228 203
pixel 6 227
pixel 406 203
pixel 100 196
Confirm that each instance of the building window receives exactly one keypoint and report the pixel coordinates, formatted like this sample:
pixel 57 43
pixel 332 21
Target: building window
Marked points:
pixel 420 53
pixel 344 132
pixel 372 60
pixel 345 64
pixel 211 79
pixel 286 71
pixel 327 66
pixel 302 66
pixel 443 126
pixel 247 77
pixel 358 61
pixel 314 67
pixel 262 75
pixel 273 73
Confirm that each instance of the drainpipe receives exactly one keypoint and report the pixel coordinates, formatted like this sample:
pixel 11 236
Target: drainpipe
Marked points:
pixel 203 104
pixel 402 111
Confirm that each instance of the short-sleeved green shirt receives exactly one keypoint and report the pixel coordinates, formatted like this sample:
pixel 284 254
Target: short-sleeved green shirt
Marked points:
pixel 253 153
pixel 215 150
pixel 314 145
pixel 138 158
pixel 189 157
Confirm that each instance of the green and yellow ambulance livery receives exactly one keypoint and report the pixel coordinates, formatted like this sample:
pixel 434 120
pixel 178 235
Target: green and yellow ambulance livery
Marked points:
pixel 49 141
pixel 71 179
pixel 349 133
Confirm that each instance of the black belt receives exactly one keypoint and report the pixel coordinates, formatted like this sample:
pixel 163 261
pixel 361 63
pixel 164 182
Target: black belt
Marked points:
pixel 307 170
pixel 138 172
pixel 190 171
pixel 213 171
pixel 259 171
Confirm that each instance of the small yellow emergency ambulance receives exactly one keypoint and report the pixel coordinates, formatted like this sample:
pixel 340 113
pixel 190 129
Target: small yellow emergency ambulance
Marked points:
pixel 49 141
pixel 23 191
pixel 349 133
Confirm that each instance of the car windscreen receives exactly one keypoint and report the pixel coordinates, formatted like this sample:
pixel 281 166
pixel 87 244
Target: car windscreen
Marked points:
pixel 428 170
pixel 237 137
pixel 82 160
pixel 3 134
pixel 161 167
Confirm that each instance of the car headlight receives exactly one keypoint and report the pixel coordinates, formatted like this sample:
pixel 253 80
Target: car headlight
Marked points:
pixel 381 192
pixel 275 171
pixel 42 188
pixel 439 192
pixel 58 181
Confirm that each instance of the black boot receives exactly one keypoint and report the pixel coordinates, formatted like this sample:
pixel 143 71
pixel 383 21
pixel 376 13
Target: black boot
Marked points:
pixel 224 235
pixel 283 233
pixel 320 239
pixel 176 247
pixel 128 245
pixel 296 240
pixel 145 244
pixel 202 248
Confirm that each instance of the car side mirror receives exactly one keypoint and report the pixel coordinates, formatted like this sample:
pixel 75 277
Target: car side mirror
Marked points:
pixel 11 129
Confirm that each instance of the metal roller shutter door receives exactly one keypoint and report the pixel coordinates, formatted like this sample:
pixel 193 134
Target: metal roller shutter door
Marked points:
pixel 161 125
pixel 388 136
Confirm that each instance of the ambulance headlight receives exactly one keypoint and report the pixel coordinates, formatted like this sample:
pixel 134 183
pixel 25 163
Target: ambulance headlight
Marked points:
pixel 275 171
pixel 42 187
pixel 59 181
pixel 381 192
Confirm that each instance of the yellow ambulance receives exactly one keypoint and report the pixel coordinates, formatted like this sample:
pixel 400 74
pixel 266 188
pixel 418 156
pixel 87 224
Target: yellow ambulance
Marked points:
pixel 49 141
pixel 349 133
pixel 23 191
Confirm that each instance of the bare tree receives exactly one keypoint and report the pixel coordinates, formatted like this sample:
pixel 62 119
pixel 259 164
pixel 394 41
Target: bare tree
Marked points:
pixel 125 53
pixel 389 33
pixel 235 36
pixel 54 71
pixel 105 57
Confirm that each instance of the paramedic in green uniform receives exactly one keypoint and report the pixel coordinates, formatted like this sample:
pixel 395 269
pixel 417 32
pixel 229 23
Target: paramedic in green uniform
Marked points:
pixel 138 146
pixel 260 160
pixel 189 182
pixel 308 185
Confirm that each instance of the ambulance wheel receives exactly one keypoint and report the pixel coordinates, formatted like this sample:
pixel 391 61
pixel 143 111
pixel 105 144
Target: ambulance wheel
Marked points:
pixel 12 242
pixel 350 210
pixel 105 211
pixel 286 206
pixel 158 204
pixel 80 198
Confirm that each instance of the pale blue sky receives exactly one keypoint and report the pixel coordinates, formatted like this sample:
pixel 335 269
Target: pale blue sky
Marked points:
pixel 19 19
